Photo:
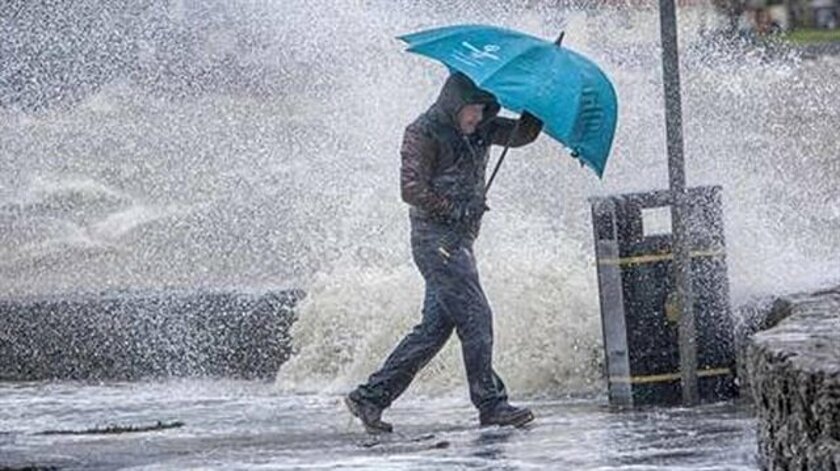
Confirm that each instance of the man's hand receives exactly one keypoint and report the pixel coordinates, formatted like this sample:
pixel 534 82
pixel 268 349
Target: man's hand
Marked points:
pixel 468 212
pixel 464 217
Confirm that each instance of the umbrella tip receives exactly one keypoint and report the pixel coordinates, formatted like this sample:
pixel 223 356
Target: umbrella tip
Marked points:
pixel 559 40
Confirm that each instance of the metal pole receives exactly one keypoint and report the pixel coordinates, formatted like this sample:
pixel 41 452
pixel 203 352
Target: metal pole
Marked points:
pixel 676 174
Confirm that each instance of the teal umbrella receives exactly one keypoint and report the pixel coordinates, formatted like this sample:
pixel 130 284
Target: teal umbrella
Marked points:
pixel 567 91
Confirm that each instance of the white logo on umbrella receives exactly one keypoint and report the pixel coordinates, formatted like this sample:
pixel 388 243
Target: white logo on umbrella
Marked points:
pixel 476 55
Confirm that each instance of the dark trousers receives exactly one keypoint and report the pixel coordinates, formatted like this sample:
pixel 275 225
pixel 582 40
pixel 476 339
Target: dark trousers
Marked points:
pixel 454 300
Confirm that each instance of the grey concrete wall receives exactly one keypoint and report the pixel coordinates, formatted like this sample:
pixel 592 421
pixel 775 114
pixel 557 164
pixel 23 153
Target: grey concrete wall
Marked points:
pixel 132 335
pixel 751 318
pixel 793 372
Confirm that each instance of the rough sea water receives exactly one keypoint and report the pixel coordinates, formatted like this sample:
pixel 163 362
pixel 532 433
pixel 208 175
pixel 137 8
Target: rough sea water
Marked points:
pixel 253 145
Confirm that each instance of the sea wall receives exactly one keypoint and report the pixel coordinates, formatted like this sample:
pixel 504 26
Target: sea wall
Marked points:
pixel 793 373
pixel 131 335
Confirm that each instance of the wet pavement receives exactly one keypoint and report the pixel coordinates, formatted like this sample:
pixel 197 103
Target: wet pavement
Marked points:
pixel 250 425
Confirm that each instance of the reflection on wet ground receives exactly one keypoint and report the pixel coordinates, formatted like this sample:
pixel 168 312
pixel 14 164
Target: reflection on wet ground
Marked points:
pixel 248 425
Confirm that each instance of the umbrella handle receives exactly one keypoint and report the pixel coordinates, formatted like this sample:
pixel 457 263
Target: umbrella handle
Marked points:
pixel 502 157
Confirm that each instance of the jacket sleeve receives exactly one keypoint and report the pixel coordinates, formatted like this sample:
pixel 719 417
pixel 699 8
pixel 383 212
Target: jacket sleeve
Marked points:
pixel 419 155
pixel 527 132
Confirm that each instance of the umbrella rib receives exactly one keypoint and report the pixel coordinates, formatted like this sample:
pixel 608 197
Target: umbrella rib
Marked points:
pixel 495 71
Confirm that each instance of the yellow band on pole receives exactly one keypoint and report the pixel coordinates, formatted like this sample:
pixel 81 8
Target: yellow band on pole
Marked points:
pixel 668 376
pixel 624 261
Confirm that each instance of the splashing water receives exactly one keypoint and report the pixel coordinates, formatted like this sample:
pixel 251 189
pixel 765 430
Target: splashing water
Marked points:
pixel 256 144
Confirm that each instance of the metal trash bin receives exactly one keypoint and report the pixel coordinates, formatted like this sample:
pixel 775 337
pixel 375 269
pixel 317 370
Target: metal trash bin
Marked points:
pixel 639 307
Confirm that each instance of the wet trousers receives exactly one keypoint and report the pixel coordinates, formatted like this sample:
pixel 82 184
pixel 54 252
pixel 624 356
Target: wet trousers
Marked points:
pixel 453 300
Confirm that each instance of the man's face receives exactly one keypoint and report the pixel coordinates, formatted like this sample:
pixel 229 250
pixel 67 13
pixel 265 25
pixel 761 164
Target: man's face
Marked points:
pixel 469 117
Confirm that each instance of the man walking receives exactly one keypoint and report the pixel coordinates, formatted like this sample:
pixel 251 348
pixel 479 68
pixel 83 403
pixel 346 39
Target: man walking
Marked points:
pixel 444 160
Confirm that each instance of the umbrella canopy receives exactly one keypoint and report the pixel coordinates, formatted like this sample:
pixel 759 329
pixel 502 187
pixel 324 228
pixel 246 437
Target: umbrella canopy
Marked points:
pixel 567 91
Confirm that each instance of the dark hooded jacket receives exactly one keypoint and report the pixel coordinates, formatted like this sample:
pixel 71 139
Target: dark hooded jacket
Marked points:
pixel 440 164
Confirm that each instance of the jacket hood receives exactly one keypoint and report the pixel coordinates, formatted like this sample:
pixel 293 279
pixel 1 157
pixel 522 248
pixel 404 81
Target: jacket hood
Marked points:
pixel 459 91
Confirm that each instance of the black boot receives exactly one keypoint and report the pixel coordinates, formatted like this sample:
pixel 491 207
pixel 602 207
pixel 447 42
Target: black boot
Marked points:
pixel 506 414
pixel 369 413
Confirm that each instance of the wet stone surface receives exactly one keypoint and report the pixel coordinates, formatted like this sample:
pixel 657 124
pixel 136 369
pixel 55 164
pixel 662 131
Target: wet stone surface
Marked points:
pixel 794 371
